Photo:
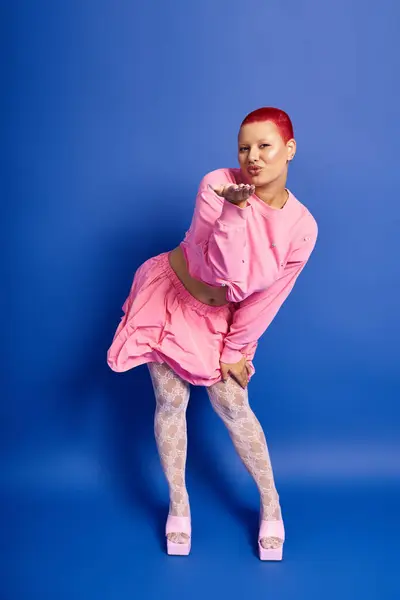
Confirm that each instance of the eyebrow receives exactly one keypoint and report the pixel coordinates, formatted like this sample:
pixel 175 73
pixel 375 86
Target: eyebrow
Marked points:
pixel 258 141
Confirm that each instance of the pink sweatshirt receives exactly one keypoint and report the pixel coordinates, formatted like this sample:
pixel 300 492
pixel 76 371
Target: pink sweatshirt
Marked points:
pixel 257 252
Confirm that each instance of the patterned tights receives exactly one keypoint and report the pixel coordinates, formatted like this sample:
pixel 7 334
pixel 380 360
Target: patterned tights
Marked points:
pixel 230 402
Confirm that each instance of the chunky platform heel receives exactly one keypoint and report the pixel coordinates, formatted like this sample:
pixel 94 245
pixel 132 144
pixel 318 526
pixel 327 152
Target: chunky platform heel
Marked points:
pixel 271 529
pixel 178 525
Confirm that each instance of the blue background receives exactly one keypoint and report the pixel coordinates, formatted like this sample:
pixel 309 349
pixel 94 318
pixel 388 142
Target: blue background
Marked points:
pixel 114 111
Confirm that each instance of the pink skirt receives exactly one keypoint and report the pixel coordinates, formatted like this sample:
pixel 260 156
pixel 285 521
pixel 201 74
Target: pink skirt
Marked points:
pixel 163 322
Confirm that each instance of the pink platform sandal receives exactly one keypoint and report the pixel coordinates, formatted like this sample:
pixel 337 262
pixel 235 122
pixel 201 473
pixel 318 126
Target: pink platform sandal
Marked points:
pixel 271 529
pixel 178 525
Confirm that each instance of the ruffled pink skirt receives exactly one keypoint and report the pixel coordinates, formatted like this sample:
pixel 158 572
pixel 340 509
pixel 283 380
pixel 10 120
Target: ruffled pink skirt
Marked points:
pixel 163 322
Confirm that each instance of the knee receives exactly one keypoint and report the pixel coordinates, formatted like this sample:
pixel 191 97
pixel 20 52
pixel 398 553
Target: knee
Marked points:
pixel 173 397
pixel 229 400
pixel 173 403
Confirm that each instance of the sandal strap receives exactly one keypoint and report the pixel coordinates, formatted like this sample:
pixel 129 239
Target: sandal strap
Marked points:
pixel 177 524
pixel 271 529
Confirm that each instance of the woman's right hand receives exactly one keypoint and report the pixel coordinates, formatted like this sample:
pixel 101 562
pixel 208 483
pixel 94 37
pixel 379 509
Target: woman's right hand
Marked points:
pixel 236 194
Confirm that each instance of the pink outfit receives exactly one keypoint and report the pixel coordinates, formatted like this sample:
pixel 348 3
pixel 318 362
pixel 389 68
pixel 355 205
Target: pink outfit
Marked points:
pixel 163 322
pixel 256 252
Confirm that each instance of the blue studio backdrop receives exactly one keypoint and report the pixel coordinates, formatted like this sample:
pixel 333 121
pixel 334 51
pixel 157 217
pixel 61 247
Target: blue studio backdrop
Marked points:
pixel 114 111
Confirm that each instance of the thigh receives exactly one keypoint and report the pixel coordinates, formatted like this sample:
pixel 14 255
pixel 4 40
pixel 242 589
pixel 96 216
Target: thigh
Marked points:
pixel 169 387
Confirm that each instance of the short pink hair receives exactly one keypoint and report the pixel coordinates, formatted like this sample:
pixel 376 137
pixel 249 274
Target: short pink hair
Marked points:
pixel 277 116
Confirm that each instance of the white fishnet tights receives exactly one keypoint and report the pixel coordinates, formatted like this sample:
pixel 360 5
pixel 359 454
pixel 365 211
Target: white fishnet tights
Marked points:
pixel 230 402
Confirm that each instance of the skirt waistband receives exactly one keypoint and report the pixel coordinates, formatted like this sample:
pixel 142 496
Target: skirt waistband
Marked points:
pixel 184 294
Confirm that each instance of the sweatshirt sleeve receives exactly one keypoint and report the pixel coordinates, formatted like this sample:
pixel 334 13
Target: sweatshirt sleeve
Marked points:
pixel 256 312
pixel 216 245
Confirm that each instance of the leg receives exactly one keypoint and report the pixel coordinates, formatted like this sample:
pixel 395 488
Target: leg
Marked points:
pixel 172 397
pixel 230 401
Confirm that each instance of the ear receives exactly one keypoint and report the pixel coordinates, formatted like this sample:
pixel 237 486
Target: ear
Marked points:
pixel 291 149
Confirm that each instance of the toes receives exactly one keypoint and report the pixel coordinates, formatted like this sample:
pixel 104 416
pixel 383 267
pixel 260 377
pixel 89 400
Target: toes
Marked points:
pixel 271 542
pixel 178 538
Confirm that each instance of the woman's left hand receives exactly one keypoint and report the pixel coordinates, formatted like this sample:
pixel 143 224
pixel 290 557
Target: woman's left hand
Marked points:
pixel 239 371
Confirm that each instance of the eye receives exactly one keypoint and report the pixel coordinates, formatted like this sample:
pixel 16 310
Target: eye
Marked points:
pixel 263 145
pixel 243 148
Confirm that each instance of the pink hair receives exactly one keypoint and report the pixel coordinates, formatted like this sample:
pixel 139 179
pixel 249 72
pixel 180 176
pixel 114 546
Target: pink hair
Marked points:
pixel 277 116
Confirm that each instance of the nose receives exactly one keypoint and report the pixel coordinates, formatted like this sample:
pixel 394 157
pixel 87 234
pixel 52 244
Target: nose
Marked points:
pixel 253 155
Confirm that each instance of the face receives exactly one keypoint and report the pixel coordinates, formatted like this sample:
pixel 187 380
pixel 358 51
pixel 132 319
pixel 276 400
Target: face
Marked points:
pixel 263 155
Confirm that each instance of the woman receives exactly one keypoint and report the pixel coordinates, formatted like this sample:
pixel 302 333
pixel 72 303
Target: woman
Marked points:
pixel 195 314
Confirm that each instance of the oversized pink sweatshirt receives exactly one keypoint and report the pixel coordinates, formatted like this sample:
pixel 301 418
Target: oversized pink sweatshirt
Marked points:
pixel 257 252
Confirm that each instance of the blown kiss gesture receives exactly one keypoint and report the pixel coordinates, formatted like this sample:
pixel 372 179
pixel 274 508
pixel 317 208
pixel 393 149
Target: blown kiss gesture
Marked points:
pixel 236 194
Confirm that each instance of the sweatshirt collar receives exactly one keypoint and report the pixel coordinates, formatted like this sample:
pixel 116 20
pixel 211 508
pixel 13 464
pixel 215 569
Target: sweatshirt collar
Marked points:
pixel 267 210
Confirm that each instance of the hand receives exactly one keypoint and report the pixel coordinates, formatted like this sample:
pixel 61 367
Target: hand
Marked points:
pixel 239 371
pixel 236 194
